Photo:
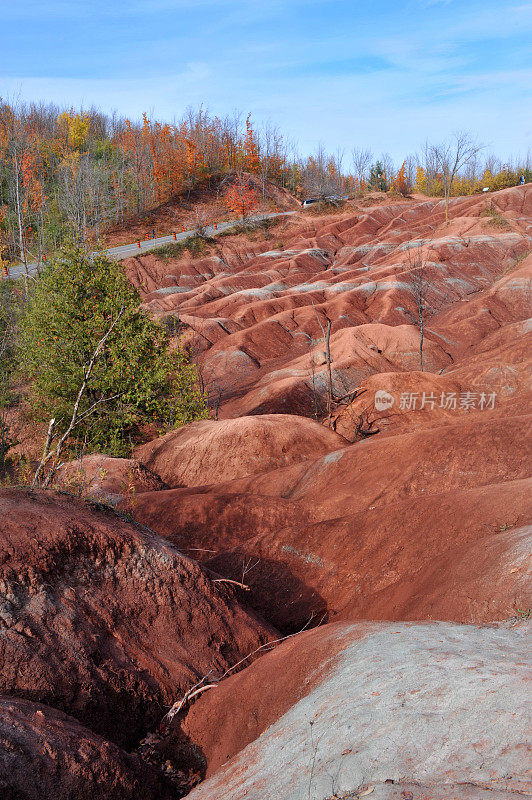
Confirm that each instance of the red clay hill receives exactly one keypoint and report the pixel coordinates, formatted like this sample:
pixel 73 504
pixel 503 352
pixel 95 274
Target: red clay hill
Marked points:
pixel 380 521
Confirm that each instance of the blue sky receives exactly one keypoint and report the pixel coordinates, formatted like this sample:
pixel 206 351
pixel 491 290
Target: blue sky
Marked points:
pixel 379 74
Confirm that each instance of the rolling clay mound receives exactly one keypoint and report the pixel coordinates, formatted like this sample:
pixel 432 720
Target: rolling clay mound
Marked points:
pixel 47 754
pixel 380 529
pixel 426 520
pixel 460 556
pixel 105 621
pixel 211 451
pixel 379 471
pixel 396 710
pixel 201 523
pixel 457 555
pixel 255 310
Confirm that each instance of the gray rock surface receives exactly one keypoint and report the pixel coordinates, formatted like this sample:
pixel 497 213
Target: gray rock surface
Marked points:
pixel 413 711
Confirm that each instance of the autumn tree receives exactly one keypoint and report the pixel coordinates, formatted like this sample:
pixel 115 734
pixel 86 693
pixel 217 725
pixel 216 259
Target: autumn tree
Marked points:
pixel 241 197
pixel 250 161
pixel 421 180
pixel 13 147
pixel 402 183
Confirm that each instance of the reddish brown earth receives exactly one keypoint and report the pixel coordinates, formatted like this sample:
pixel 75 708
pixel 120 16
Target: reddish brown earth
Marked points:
pixel 424 711
pixel 109 480
pixel 211 452
pixel 252 310
pixel 412 512
pixel 47 754
pixel 105 621
pixel 363 531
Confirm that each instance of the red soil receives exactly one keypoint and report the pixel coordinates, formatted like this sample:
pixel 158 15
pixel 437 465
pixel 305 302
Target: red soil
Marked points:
pixel 398 711
pixel 252 310
pixel 45 753
pixel 211 452
pixel 425 520
pixel 104 620
pixel 356 532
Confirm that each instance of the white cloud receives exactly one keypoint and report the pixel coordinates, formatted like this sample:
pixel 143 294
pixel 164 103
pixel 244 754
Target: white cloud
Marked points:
pixel 432 86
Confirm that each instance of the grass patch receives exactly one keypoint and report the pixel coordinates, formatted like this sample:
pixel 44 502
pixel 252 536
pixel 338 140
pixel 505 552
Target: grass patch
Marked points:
pixel 257 229
pixel 495 217
pixel 195 245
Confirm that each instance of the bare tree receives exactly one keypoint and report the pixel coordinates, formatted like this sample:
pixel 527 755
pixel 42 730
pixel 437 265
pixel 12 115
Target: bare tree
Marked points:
pixel 200 223
pixel 424 299
pixel 388 166
pixel 327 340
pixel 270 149
pixel 361 160
pixel 8 330
pixel 452 156
pixel 322 176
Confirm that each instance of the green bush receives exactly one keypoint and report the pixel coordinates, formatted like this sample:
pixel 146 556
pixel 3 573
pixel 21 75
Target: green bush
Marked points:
pixel 10 305
pixel 196 245
pixel 135 378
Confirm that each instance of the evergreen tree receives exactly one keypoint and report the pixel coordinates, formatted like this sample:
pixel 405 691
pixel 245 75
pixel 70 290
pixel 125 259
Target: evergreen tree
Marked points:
pixel 377 178
pixel 91 352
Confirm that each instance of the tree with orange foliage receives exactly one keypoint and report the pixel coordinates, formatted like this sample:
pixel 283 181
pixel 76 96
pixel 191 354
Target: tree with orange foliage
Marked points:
pixel 402 183
pixel 251 161
pixel 241 197
pixel 421 180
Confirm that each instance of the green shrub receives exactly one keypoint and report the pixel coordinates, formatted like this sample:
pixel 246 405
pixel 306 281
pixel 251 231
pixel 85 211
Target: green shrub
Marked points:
pixel 495 217
pixel 135 378
pixel 195 245
pixel 10 306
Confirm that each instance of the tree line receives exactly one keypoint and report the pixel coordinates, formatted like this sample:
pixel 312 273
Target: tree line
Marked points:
pixel 72 174
pixel 68 173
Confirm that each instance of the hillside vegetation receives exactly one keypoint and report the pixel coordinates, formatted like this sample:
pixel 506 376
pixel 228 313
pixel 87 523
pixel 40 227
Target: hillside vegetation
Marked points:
pixel 79 174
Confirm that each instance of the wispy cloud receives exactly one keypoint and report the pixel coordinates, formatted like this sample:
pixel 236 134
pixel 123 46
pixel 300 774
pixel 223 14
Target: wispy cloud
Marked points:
pixel 337 71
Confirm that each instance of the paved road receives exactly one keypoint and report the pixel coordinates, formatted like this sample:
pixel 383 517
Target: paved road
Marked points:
pixel 126 250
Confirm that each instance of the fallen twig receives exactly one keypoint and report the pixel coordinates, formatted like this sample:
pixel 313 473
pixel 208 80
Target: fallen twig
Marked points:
pixel 235 583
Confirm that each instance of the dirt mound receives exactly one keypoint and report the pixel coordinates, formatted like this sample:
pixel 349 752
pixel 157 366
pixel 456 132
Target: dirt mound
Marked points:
pixel 352 707
pixel 415 508
pixel 377 530
pixel 45 753
pixel 255 312
pixel 415 559
pixel 106 479
pixel 383 470
pixel 104 620
pixel 213 451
